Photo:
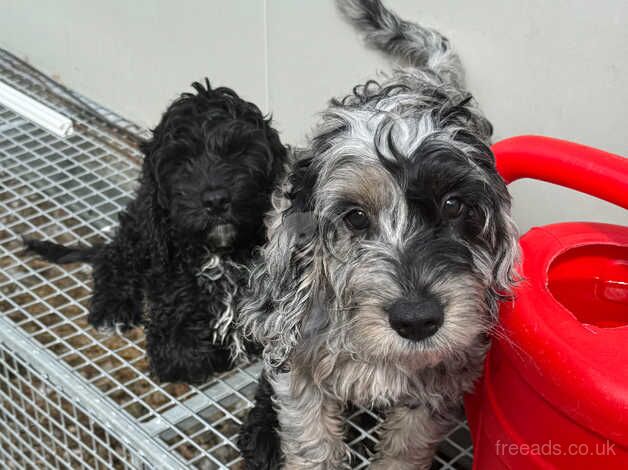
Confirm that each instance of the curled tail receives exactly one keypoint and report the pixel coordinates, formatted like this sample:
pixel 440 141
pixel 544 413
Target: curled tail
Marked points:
pixel 60 254
pixel 422 47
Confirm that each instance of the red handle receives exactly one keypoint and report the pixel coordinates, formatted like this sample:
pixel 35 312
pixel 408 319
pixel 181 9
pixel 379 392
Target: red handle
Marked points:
pixel 574 166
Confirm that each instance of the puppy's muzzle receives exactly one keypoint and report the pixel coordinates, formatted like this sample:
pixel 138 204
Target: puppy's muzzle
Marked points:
pixel 416 319
pixel 222 236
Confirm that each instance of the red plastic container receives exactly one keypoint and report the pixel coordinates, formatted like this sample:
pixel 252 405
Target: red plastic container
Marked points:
pixel 554 394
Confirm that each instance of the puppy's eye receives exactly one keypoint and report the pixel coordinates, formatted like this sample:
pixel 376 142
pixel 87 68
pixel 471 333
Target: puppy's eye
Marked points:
pixel 452 208
pixel 357 220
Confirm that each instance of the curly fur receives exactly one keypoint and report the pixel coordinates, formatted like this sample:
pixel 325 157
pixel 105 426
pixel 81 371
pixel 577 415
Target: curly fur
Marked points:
pixel 331 304
pixel 176 255
pixel 259 443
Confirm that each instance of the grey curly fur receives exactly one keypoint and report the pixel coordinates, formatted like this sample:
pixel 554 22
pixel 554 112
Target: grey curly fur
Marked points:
pixel 320 300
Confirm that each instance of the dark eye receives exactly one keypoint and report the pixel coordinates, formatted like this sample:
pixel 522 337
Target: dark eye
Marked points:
pixel 452 207
pixel 357 220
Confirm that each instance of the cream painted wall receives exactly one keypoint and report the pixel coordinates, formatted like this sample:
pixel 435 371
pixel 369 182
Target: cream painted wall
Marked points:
pixel 135 56
pixel 555 67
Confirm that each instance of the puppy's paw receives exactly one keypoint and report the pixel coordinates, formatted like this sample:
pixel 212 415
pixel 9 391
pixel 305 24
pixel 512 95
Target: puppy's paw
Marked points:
pixel 109 326
pixel 396 464
pixel 114 315
pixel 179 363
pixel 119 329
pixel 258 440
pixel 259 445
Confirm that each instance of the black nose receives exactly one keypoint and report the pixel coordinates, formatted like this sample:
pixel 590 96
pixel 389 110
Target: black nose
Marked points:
pixel 216 200
pixel 416 319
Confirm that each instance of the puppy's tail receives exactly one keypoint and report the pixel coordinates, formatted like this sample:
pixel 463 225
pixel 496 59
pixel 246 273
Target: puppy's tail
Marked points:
pixel 420 46
pixel 60 254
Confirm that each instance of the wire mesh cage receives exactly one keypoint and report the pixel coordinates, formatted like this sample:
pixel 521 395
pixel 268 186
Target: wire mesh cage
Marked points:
pixel 71 397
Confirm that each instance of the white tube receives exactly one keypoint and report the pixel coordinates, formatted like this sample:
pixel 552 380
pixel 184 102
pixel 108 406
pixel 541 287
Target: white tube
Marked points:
pixel 35 112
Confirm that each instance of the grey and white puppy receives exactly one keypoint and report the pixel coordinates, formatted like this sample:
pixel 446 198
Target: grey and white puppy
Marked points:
pixel 390 246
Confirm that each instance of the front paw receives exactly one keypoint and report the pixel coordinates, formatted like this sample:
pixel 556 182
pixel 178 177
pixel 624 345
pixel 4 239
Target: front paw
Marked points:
pixel 395 464
pixel 119 316
pixel 172 364
pixel 260 446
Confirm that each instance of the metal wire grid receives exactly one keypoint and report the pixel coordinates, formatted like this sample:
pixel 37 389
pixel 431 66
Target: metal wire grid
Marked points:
pixel 88 116
pixel 41 426
pixel 70 191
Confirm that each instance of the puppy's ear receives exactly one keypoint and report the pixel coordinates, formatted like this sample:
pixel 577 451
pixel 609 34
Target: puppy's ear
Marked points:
pixel 165 149
pixel 281 153
pixel 500 228
pixel 286 281
pixel 154 194
pixel 506 255
pixel 302 182
pixel 160 164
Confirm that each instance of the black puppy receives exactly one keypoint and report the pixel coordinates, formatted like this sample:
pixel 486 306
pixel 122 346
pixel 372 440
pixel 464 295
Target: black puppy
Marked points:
pixel 258 439
pixel 183 243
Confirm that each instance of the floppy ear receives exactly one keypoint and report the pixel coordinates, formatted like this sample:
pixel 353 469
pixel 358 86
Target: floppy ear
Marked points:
pixel 501 230
pixel 285 281
pixel 160 161
pixel 507 254
pixel 165 149
pixel 153 193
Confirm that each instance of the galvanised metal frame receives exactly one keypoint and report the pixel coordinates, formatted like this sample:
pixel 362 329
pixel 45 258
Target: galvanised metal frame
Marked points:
pixel 69 396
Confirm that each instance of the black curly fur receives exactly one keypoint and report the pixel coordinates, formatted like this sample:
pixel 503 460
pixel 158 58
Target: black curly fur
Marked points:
pixel 205 141
pixel 258 439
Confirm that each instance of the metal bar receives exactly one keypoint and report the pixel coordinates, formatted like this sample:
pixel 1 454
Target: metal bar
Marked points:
pixel 36 112
pixel 199 402
pixel 86 396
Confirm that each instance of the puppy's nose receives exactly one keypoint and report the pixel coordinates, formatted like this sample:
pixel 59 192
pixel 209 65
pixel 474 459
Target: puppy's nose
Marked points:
pixel 216 200
pixel 416 319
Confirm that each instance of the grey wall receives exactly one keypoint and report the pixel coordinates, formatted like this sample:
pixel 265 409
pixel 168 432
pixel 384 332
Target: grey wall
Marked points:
pixel 556 67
